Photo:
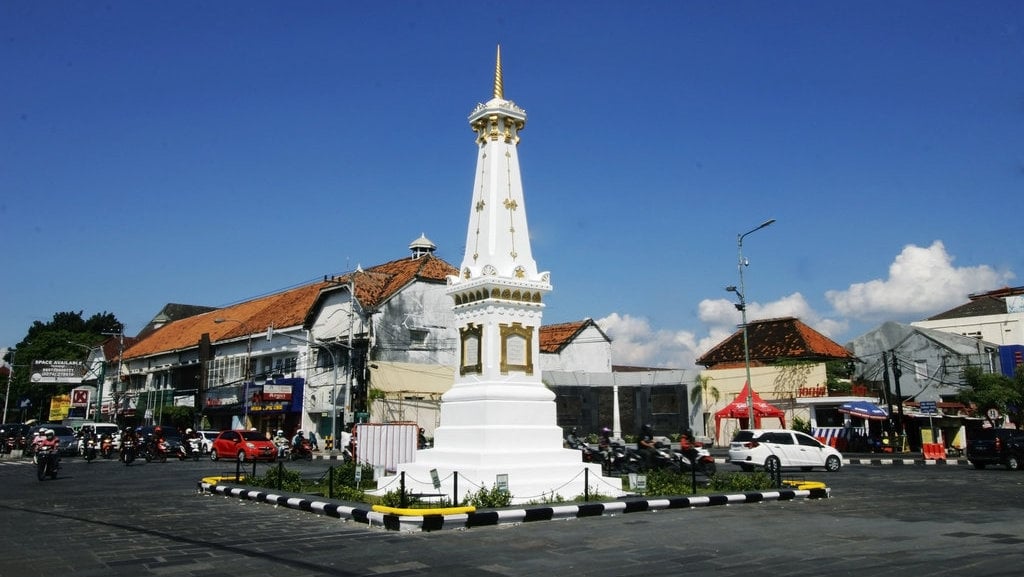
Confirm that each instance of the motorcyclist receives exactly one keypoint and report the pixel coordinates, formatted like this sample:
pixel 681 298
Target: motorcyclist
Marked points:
pixel 604 439
pixel 192 442
pixel 688 445
pixel 297 441
pixel 572 440
pixel 281 442
pixel 157 441
pixel 129 440
pixel 47 441
pixel 645 445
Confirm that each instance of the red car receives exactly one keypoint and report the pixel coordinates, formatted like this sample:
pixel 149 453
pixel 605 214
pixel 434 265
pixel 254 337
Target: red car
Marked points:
pixel 244 446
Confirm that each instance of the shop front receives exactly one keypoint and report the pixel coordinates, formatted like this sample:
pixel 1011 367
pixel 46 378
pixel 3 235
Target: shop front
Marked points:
pixel 275 405
pixel 264 406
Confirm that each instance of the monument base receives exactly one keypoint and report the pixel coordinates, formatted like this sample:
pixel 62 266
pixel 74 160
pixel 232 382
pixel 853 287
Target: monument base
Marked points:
pixel 531 476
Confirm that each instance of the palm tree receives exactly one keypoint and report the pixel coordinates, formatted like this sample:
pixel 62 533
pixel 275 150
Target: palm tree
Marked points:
pixel 706 395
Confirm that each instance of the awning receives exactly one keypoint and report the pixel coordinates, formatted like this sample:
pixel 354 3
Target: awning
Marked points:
pixel 864 410
pixel 412 379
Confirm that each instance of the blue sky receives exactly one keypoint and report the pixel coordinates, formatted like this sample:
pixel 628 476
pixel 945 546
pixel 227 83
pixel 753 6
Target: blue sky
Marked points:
pixel 210 152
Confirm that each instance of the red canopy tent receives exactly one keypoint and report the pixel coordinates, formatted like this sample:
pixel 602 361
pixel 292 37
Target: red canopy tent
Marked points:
pixel 737 409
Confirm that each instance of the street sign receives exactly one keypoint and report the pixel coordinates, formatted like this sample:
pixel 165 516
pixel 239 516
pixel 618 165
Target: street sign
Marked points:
pixel 928 407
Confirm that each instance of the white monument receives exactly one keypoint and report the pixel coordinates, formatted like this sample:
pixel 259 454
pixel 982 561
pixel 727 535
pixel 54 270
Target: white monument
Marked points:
pixel 498 419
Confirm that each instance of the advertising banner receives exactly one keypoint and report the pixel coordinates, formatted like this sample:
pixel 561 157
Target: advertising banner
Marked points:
pixel 59 405
pixel 58 372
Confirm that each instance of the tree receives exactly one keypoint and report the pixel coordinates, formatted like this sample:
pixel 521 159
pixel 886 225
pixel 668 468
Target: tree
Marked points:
pixel 994 391
pixel 61 339
pixel 705 394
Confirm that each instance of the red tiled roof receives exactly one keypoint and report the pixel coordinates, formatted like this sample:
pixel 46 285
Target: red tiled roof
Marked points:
pixel 772 340
pixel 553 338
pixel 284 309
pixel 292 307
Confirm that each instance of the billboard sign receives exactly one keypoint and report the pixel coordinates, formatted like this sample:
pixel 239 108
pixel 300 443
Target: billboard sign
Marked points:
pixel 58 372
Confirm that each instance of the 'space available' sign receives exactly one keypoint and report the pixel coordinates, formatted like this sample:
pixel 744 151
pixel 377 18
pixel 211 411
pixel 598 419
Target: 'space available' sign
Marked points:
pixel 58 372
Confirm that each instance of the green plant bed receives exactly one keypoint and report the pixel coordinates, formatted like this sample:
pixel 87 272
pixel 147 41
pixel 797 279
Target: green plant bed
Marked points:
pixel 339 482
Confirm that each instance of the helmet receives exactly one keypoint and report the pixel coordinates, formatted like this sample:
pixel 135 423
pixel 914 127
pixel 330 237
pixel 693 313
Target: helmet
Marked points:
pixel 647 428
pixel 606 431
pixel 299 432
pixel 280 433
pixel 188 431
pixel 49 433
pixel 158 429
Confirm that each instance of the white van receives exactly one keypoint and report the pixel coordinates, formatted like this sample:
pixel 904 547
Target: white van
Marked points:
pixel 101 430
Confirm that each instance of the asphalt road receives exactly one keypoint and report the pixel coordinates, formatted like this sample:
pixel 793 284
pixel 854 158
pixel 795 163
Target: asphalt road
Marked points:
pixel 105 519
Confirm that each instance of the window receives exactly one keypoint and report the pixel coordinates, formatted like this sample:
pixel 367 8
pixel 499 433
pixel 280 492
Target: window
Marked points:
pixel 920 370
pixel 807 441
pixel 418 338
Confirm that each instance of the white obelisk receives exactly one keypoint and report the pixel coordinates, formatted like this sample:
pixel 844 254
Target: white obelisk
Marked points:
pixel 498 419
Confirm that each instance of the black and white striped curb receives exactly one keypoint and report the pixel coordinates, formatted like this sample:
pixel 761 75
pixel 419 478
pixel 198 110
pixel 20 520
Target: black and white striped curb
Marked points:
pixel 427 522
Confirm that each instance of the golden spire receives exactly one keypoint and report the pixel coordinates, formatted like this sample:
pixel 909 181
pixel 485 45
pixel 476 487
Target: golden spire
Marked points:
pixel 499 91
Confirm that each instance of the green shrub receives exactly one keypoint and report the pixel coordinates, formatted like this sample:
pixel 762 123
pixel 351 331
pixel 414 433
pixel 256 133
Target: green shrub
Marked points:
pixel 664 482
pixel 740 482
pixel 493 497
pixel 278 477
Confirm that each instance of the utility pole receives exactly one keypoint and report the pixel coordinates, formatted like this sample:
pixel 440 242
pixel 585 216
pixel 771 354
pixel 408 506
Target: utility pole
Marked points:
pixel 888 393
pixel 896 374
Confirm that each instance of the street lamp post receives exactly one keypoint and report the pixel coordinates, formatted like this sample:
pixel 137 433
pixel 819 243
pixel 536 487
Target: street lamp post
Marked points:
pixel 743 311
pixel 10 377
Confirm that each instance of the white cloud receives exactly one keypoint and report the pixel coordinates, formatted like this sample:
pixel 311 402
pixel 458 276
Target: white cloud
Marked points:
pixel 636 343
pixel 921 281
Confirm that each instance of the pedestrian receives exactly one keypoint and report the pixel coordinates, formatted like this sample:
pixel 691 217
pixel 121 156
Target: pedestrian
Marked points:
pixel 313 442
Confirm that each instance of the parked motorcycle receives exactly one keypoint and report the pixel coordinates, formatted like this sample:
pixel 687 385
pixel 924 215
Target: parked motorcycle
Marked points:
pixel 590 454
pixel 47 463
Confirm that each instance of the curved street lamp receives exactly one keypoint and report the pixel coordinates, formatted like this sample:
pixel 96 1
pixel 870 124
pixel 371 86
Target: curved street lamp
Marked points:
pixel 742 307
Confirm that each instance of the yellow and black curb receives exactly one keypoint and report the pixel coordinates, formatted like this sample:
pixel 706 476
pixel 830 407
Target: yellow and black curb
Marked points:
pixel 412 520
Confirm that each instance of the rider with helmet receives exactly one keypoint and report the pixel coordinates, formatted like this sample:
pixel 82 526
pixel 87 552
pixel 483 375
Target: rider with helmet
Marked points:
pixel 645 445
pixel 46 440
pixel 281 442
pixel 687 445
pixel 604 439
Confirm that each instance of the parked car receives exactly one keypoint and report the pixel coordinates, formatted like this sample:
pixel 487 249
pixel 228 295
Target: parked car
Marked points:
pixel 768 448
pixel 206 440
pixel 244 446
pixel 996 447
